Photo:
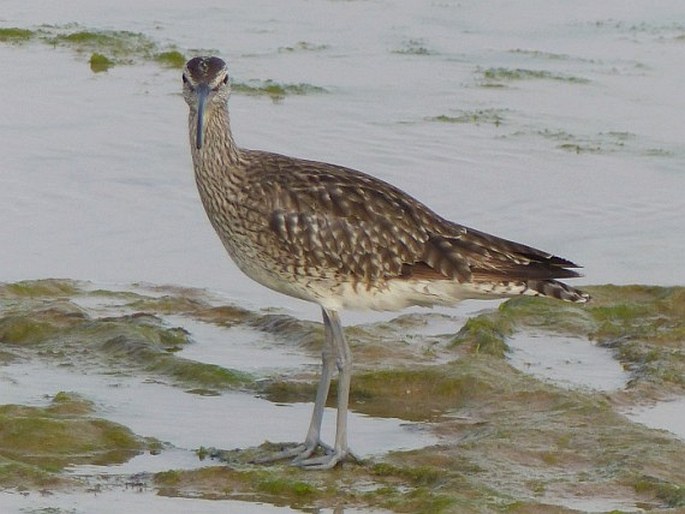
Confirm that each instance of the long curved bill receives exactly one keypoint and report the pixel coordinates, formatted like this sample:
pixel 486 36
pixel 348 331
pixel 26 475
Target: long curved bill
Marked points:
pixel 202 92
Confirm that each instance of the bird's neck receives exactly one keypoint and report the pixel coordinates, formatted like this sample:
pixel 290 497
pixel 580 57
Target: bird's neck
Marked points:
pixel 219 154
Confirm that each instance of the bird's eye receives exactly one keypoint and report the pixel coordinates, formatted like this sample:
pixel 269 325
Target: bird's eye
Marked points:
pixel 223 82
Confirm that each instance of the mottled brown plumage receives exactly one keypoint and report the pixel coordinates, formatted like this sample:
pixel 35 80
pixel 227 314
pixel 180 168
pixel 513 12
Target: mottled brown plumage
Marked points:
pixel 342 238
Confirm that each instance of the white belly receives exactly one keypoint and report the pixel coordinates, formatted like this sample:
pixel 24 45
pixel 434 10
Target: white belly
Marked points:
pixel 399 294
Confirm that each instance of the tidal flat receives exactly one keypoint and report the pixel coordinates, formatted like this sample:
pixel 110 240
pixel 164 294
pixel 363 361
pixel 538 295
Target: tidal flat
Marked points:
pixel 555 126
pixel 474 431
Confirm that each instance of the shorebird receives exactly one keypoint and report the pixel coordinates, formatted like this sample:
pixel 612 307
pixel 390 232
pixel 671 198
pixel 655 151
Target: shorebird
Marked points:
pixel 342 239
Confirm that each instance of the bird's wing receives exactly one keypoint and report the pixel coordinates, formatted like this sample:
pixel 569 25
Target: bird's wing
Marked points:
pixel 355 223
pixel 345 221
pixel 491 258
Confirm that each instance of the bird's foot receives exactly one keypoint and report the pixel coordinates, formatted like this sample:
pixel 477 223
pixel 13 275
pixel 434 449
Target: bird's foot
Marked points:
pixel 330 458
pixel 326 461
pixel 296 452
pixel 303 455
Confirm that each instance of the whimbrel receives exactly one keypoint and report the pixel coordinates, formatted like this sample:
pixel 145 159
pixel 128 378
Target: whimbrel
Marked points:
pixel 342 239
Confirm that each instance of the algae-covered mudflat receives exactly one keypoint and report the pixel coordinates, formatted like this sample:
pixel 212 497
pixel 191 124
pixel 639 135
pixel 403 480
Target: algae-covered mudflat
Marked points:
pixel 148 379
pixel 475 433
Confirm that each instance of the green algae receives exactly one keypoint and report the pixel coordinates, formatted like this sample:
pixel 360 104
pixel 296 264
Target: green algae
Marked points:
pixel 548 55
pixel 99 63
pixel 485 334
pixel 415 394
pixel 104 48
pixel 227 482
pixel 419 475
pixel 23 330
pixel 413 47
pixel 280 486
pixel 143 331
pixel 500 76
pixel 671 494
pixel 306 334
pixel 24 477
pixel 36 443
pixel 70 404
pixel 287 390
pixel 210 377
pixel 476 117
pixel 274 90
pixel 191 303
pixel 100 39
pixel 171 59
pixel 593 144
pixel 52 288
pixel 15 35
pixel 122 45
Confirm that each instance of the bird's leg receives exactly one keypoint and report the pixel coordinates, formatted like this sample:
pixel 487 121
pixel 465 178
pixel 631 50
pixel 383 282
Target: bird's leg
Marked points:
pixel 343 361
pixel 328 359
pixel 313 439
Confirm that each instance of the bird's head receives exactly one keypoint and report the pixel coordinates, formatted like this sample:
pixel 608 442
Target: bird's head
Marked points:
pixel 205 86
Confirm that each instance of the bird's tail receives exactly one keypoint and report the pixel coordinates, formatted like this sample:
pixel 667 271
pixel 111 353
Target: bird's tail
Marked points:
pixel 556 289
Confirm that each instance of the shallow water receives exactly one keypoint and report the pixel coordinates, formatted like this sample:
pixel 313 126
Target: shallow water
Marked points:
pixel 135 500
pixel 567 361
pixel 239 347
pixel 667 415
pixel 574 362
pixel 189 421
pixel 128 500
